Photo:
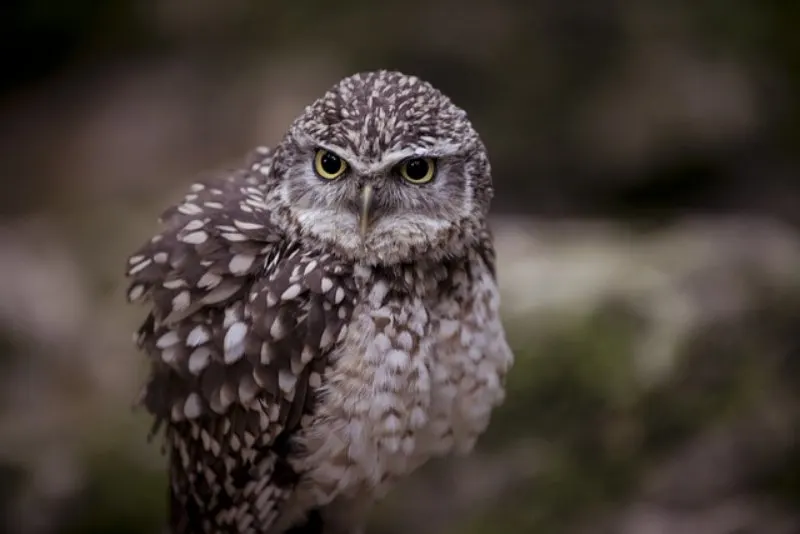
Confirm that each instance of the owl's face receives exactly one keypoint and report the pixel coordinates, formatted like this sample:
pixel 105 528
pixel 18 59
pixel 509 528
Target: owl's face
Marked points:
pixel 384 169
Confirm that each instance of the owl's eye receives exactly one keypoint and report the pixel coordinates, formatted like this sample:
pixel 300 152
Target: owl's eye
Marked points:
pixel 418 170
pixel 328 165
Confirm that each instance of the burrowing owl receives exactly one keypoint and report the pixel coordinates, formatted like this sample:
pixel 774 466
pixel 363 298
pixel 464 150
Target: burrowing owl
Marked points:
pixel 325 319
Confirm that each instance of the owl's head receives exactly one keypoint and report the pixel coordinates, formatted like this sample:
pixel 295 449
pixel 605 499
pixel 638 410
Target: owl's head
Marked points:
pixel 384 169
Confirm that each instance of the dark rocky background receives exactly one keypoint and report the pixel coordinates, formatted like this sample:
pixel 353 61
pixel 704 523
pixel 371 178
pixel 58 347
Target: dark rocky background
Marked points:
pixel 648 201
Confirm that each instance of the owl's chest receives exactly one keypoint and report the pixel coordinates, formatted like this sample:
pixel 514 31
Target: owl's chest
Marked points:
pixel 377 399
pixel 376 394
pixel 402 386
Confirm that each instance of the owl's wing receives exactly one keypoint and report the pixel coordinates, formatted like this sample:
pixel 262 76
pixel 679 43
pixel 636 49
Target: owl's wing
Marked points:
pixel 240 323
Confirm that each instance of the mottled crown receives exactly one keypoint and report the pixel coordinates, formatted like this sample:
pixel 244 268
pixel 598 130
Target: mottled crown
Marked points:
pixel 377 113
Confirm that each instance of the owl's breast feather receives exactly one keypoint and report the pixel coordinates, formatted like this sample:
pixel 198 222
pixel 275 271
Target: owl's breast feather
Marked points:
pixel 375 399
pixel 411 380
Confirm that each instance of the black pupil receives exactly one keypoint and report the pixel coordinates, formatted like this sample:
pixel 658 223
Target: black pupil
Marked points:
pixel 331 163
pixel 417 169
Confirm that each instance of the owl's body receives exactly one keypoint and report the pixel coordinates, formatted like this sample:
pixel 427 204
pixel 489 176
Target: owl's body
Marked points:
pixel 304 358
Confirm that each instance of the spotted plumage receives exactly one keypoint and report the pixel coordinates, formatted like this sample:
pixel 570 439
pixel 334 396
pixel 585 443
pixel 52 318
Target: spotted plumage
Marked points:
pixel 316 335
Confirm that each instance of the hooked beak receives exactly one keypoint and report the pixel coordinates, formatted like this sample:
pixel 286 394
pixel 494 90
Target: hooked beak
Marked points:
pixel 366 208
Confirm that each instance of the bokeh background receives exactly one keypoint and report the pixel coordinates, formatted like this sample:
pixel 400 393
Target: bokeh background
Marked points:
pixel 646 163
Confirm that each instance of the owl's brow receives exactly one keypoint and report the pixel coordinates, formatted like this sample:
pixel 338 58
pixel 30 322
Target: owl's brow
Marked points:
pixel 391 158
pixel 439 150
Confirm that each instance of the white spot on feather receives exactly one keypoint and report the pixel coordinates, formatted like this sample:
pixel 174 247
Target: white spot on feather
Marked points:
pixel 140 267
pixel 221 293
pixel 234 342
pixel 193 225
pixel 447 328
pixel 209 280
pixel 286 381
pixel 392 425
pixel 195 238
pixel 198 335
pixel 136 292
pixel 240 263
pixel 190 209
pixel 181 301
pixel 315 380
pixel 291 292
pixel 418 418
pixel 175 283
pixel 243 225
pixel 167 340
pixel 277 330
pixel 199 360
pixel 339 295
pixel 234 237
pixel 193 407
pixel 397 360
pixel 326 284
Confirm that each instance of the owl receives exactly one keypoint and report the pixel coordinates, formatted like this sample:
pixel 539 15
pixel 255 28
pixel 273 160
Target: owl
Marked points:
pixel 324 319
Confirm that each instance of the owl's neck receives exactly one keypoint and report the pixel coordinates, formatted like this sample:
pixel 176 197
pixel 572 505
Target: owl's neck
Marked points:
pixel 425 279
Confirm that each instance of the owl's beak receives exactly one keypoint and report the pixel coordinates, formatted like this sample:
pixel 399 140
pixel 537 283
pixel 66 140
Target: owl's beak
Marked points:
pixel 366 208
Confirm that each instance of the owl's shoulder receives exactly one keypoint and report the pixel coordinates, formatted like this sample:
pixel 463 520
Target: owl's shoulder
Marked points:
pixel 207 247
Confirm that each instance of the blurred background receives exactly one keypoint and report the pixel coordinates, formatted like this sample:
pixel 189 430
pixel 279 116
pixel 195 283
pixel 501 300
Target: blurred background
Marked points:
pixel 646 163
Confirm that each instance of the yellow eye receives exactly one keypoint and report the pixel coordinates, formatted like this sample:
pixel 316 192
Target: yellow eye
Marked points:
pixel 328 165
pixel 418 170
